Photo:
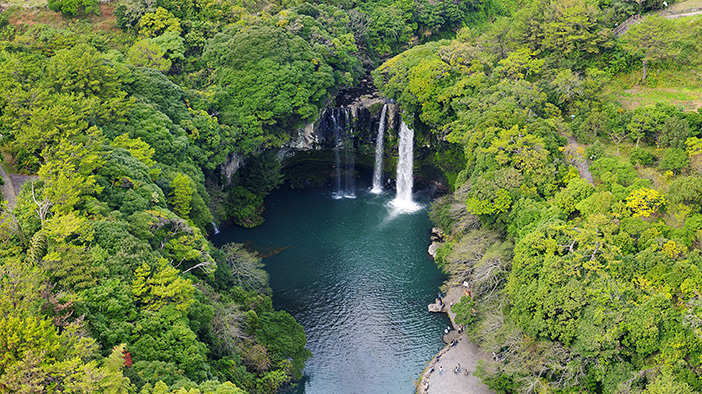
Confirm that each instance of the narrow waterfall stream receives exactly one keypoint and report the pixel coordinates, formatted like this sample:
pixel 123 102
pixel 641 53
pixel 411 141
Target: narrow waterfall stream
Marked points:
pixel 405 176
pixel 345 172
pixel 378 169
pixel 350 190
pixel 337 158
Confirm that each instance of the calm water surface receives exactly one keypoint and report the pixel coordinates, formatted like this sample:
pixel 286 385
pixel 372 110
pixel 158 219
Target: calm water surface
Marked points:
pixel 358 279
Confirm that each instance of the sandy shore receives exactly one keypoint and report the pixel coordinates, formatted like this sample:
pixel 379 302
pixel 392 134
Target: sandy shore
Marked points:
pixel 464 353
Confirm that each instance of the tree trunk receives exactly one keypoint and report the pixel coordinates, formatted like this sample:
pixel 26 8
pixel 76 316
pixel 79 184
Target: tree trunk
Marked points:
pixel 643 79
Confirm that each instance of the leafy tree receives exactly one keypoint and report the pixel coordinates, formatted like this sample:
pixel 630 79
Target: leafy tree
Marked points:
pixel 390 28
pixel 642 156
pixel 673 160
pixel 43 124
pixel 465 311
pixel 675 131
pixel 36 355
pixel 571 27
pixel 156 288
pixel 129 12
pixel 81 70
pixel 68 173
pixel 246 207
pixel 270 77
pixel 246 268
pixel 666 383
pixel 694 152
pixel 146 53
pixel 490 194
pixel 617 134
pixel 644 202
pixel 155 23
pixel 652 40
pixel 642 124
pixel 172 44
pixel 686 190
pixel 285 338
pixel 577 190
pixel 182 194
pixel 139 149
pixel 520 63
pixel 74 7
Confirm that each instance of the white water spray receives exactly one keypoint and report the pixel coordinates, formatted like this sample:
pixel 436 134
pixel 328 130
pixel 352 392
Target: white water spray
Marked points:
pixel 403 201
pixel 214 227
pixel 378 170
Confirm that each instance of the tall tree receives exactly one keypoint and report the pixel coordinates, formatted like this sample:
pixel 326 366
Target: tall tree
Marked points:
pixel 654 39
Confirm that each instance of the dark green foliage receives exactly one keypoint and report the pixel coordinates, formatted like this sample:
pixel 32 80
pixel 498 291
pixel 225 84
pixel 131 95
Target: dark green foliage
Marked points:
pixel 285 339
pixel 246 207
pixel 592 294
pixel 262 173
pixel 675 131
pixel 642 156
pixel 152 87
pixel 674 160
pixel 686 190
pixel 268 75
pixel 74 7
pixel 465 312
pixel 595 151
pixel 571 289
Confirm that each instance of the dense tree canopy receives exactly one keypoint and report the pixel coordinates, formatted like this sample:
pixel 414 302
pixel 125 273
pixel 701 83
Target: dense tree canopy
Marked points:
pixel 576 287
pixel 130 126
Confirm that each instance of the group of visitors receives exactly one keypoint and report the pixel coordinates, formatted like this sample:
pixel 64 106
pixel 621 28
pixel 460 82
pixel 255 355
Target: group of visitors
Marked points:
pixel 456 369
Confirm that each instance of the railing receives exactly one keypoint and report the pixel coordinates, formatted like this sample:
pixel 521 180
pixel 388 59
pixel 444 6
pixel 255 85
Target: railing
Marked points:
pixel 624 27
pixel 665 13
pixel 634 19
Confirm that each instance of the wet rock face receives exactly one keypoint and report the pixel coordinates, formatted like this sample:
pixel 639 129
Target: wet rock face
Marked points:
pixel 231 166
pixel 363 94
pixel 354 115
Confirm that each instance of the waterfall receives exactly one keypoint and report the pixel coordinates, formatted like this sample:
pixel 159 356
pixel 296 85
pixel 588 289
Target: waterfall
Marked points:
pixel 403 201
pixel 349 157
pixel 214 226
pixel 337 140
pixel 378 170
pixel 341 123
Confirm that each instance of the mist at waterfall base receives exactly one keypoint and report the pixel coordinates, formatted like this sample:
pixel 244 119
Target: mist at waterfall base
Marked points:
pixel 358 278
pixel 405 179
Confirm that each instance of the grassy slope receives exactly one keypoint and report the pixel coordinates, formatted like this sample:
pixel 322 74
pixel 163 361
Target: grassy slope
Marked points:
pixel 665 84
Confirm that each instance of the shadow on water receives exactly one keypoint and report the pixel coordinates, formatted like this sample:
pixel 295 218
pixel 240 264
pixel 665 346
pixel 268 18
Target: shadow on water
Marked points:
pixel 358 278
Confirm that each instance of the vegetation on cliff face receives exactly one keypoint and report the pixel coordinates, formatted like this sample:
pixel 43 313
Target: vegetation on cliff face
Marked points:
pixel 126 112
pixel 576 287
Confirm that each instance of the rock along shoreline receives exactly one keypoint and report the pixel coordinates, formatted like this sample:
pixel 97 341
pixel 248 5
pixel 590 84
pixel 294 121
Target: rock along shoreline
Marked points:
pixel 440 377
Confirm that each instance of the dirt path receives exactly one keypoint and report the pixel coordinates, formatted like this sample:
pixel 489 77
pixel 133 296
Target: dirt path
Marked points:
pixel 464 353
pixel 682 15
pixel 8 189
pixel 622 29
pixel 578 160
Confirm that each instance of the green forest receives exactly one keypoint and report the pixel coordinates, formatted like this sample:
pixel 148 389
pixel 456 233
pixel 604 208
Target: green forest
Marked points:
pixel 573 158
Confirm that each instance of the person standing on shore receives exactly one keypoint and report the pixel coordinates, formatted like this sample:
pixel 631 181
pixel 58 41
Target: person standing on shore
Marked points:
pixel 441 370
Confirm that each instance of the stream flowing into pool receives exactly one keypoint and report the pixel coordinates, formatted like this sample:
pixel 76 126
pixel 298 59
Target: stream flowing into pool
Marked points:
pixel 358 278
